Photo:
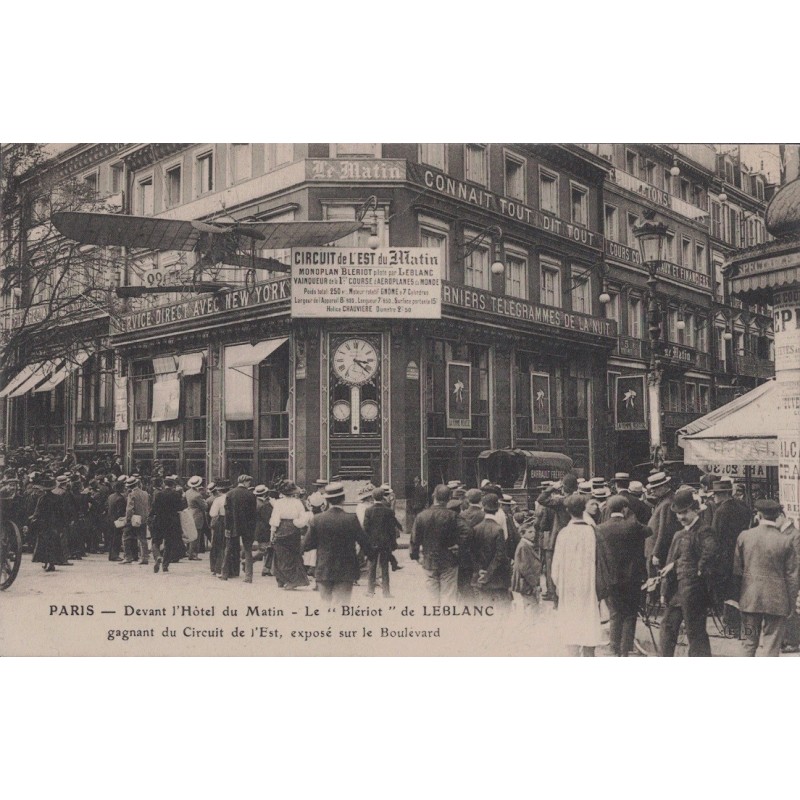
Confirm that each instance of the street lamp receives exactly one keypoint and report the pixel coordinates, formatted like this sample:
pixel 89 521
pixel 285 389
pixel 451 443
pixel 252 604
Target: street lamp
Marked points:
pixel 498 266
pixel 651 236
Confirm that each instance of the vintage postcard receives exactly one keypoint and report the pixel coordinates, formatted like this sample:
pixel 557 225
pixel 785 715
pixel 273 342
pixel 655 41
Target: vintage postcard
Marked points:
pixel 399 399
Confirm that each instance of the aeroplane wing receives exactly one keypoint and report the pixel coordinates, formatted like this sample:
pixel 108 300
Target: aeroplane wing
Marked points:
pixel 126 230
pixel 154 233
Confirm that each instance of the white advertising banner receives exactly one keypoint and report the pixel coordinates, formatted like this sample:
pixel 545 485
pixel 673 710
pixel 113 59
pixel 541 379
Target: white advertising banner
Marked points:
pixel 120 403
pixel 400 282
pixel 787 373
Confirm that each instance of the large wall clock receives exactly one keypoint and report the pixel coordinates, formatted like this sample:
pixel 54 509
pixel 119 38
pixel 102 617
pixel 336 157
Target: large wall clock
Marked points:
pixel 355 362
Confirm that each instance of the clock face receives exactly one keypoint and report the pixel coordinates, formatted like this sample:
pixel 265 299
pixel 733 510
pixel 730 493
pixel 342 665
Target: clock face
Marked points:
pixel 369 410
pixel 341 410
pixel 355 362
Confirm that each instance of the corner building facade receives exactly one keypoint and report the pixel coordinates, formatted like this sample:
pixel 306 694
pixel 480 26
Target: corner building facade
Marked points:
pixel 230 383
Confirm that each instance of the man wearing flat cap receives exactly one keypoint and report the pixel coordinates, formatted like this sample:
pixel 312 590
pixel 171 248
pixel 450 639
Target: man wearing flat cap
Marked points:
pixel 691 559
pixel 334 534
pixel 766 560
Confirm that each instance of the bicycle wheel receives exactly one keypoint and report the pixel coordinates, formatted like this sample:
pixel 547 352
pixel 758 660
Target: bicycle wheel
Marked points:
pixel 10 554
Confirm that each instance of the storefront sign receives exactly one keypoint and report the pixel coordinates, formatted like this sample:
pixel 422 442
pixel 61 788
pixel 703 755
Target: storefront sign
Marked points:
pixel 786 319
pixel 630 403
pixel 412 371
pixel 685 275
pixel 120 403
pixel 736 471
pixel 355 169
pixel 482 198
pixel 677 353
pixel 784 261
pixel 206 305
pixel 508 307
pixel 628 346
pixel 459 395
pixel 399 282
pixel 623 252
pixel 541 419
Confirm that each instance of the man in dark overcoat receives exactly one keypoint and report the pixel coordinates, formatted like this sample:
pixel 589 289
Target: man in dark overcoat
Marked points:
pixel 731 517
pixel 241 513
pixel 381 527
pixel 334 534
pixel 624 538
pixel 693 554
pixel 166 525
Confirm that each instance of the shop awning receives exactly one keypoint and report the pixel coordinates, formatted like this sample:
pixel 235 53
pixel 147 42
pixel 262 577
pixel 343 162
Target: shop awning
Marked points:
pixel 166 389
pixel 239 361
pixel 191 363
pixel 40 372
pixel 62 370
pixel 248 355
pixel 18 379
pixel 741 432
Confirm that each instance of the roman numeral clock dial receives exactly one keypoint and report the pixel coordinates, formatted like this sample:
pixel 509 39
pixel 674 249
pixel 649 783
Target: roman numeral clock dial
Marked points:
pixel 355 362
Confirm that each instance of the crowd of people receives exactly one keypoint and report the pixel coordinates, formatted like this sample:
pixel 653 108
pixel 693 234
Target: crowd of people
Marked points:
pixel 600 551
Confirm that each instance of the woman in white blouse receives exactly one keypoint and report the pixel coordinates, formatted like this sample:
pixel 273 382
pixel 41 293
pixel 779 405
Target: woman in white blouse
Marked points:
pixel 289 519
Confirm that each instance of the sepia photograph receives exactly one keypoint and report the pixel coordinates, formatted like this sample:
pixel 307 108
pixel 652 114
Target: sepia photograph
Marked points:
pixel 400 399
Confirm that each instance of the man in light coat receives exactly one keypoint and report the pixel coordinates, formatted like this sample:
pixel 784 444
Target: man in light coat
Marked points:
pixel 198 505
pixel 766 560
pixel 137 510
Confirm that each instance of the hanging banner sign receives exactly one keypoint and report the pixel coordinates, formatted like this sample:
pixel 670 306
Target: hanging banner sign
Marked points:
pixel 459 395
pixel 399 282
pixel 541 419
pixel 120 403
pixel 630 403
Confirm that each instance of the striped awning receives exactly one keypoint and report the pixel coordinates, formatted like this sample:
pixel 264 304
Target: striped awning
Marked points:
pixel 62 370
pixel 763 281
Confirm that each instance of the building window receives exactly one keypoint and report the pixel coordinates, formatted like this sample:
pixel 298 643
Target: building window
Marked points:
pixel 117 178
pixel 144 196
pixel 686 190
pixel 701 335
pixel 650 172
pixel 355 151
pixel 581 290
pixel 433 154
pixel 759 188
pixel 669 248
pixel 515 177
pixel 716 220
pixel 703 398
pixel 667 180
pixel 241 167
pixel 142 390
pixel 691 397
pixel 516 275
pixel 673 396
pixel 277 154
pixel 611 223
pixel 635 317
pixel 686 252
pixel 631 239
pixel 673 334
pixel 174 185
pixel 700 263
pixel 721 348
pixel 436 234
pixel 548 192
pixel 90 184
pixel 690 332
pixel 273 400
pixel 476 164
pixel 476 265
pixel 631 163
pixel 611 309
pixel 193 394
pixel 550 285
pixel 733 227
pixel 738 342
pixel 359 238
pixel 579 204
pixel 204 173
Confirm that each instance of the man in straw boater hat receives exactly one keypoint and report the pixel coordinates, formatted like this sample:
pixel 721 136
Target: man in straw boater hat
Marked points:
pixel 198 505
pixel 334 534
pixel 766 560
pixel 663 521
pixel 137 510
pixel 692 558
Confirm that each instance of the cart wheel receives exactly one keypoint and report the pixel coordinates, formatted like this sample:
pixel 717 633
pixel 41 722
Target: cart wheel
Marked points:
pixel 10 553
